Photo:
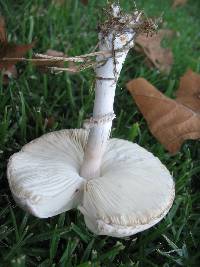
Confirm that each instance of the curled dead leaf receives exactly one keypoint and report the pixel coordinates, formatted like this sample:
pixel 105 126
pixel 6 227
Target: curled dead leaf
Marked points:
pixel 170 121
pixel 156 55
pixel 10 54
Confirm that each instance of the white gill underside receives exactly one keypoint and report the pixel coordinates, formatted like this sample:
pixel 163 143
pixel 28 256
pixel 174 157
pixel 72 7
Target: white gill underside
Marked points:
pixel 134 190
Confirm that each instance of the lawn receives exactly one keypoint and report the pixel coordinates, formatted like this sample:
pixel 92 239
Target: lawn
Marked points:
pixel 37 103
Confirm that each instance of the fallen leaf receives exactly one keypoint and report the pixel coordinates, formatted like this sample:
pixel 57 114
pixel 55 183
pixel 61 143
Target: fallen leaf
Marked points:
pixel 156 55
pixel 10 50
pixel 170 121
pixel 188 92
pixel 84 2
pixel 49 122
pixel 177 3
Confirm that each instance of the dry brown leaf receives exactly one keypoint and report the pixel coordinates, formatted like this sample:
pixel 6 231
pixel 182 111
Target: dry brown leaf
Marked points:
pixel 177 3
pixel 169 121
pixel 157 56
pixel 49 122
pixel 10 50
pixel 189 91
pixel 84 2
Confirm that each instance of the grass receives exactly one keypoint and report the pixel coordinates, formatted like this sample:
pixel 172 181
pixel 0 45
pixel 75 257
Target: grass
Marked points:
pixel 25 104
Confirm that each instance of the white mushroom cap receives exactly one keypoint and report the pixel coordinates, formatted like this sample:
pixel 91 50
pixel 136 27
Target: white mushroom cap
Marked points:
pixel 133 193
pixel 44 175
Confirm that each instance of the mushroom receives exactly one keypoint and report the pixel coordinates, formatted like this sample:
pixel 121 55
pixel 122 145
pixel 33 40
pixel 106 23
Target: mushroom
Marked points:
pixel 118 186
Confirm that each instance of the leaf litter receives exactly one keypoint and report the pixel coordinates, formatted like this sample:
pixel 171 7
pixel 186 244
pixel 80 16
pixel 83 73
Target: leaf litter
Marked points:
pixel 156 56
pixel 171 121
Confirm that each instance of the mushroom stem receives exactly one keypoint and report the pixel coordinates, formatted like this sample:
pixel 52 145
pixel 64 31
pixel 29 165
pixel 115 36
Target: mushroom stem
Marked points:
pixel 117 38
